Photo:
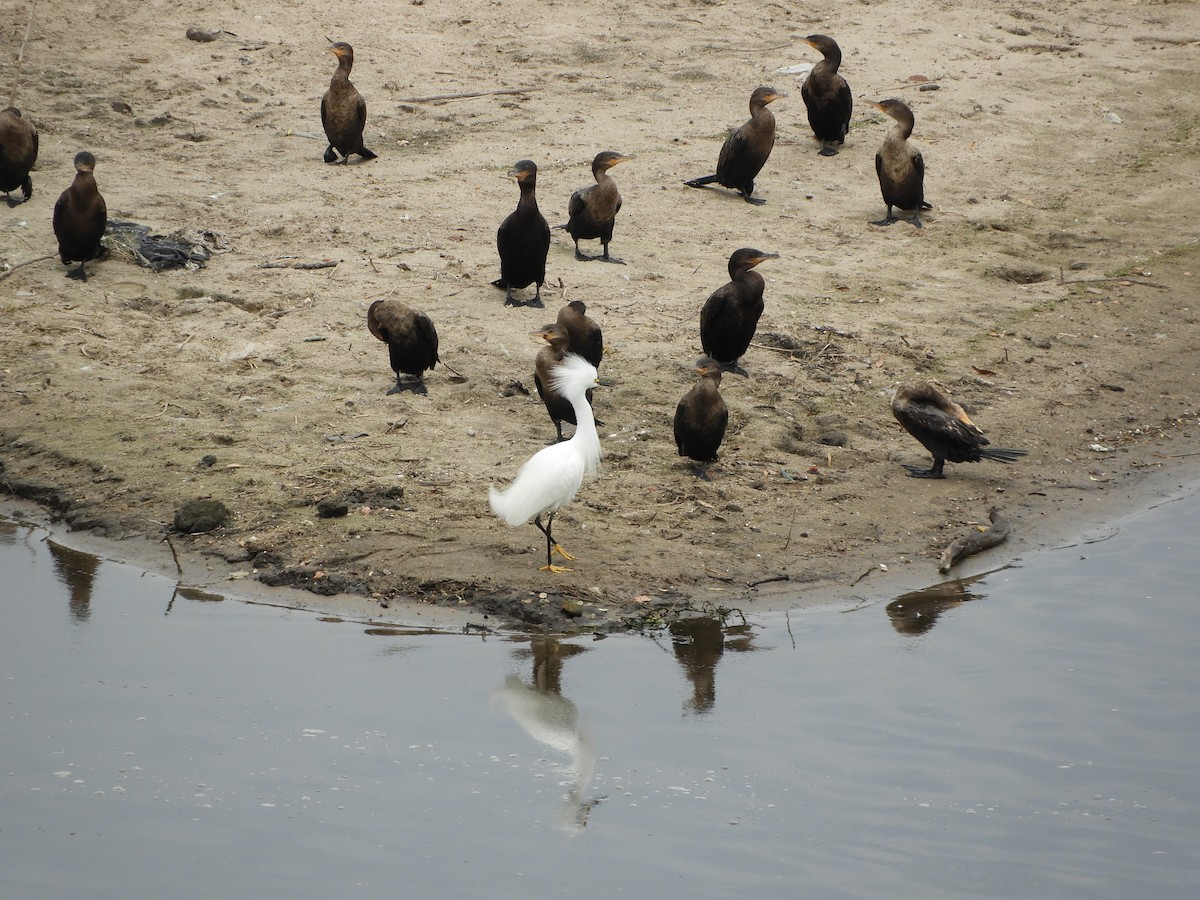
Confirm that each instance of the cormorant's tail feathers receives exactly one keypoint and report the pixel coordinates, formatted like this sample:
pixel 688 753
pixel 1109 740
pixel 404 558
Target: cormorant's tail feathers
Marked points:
pixel 1003 454
pixel 925 205
pixel 701 182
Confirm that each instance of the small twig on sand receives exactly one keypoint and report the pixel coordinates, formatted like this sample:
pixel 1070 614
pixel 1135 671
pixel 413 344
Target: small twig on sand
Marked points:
pixel 723 49
pixel 975 542
pixel 435 98
pixel 1118 278
pixel 27 262
pixel 456 374
pixel 174 555
pixel 768 580
pixel 12 97
pixel 862 576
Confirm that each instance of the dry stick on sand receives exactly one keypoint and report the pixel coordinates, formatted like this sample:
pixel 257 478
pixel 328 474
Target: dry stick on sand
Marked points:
pixel 27 262
pixel 1062 279
pixel 12 97
pixel 434 98
pixel 975 542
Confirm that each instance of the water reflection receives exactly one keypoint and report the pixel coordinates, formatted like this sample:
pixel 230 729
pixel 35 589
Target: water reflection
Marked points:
pixel 548 717
pixel 917 611
pixel 699 643
pixel 76 570
pixel 233 748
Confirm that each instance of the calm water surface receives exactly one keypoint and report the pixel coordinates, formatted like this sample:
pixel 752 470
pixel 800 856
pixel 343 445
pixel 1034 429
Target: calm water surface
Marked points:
pixel 1035 733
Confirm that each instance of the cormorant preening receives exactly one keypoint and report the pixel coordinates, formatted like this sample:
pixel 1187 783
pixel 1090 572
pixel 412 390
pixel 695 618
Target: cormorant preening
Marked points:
pixel 343 110
pixel 944 428
pixel 18 153
pixel 523 240
pixel 745 151
pixel 79 217
pixel 411 338
pixel 731 313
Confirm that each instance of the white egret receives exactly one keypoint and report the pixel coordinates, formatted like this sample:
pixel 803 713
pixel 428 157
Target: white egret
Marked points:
pixel 549 479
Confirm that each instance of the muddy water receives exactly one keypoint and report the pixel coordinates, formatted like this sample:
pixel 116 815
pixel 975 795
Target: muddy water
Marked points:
pixel 1035 733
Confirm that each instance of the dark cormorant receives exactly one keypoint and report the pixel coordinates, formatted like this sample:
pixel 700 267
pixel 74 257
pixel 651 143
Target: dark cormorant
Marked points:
pixel 411 338
pixel 79 217
pixel 592 210
pixel 731 313
pixel 586 337
pixel 827 95
pixel 701 417
pixel 899 165
pixel 549 358
pixel 343 110
pixel 18 153
pixel 944 428
pixel 523 240
pixel 745 151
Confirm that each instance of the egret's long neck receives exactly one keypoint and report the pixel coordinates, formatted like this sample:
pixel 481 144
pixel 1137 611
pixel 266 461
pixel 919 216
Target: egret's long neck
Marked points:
pixel 585 431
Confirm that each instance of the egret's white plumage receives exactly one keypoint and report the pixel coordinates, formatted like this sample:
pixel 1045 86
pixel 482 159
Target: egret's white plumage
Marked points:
pixel 549 479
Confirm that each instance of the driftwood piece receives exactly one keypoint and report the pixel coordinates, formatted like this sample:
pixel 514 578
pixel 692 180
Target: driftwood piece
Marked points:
pixel 286 264
pixel 975 542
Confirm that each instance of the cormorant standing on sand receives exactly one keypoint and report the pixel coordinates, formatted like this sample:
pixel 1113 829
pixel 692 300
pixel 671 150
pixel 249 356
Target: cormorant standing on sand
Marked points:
pixel 592 210
pixel 899 165
pixel 827 95
pixel 18 153
pixel 411 338
pixel 523 240
pixel 745 151
pixel 944 428
pixel 701 418
pixel 79 217
pixel 343 110
pixel 731 313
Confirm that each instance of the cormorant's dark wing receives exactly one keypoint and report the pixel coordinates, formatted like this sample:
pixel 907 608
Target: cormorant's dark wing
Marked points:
pixel 424 326
pixel 918 162
pixel 576 204
pixel 732 150
pixel 713 311
pixel 930 419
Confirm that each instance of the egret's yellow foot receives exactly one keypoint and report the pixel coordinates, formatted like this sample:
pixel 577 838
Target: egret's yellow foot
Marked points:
pixel 550 567
pixel 557 548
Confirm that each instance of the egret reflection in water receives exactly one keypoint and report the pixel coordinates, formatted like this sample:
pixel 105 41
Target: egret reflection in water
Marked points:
pixel 917 611
pixel 548 717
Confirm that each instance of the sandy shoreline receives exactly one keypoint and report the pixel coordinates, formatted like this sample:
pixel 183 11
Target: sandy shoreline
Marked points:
pixel 1171 473
pixel 1053 290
